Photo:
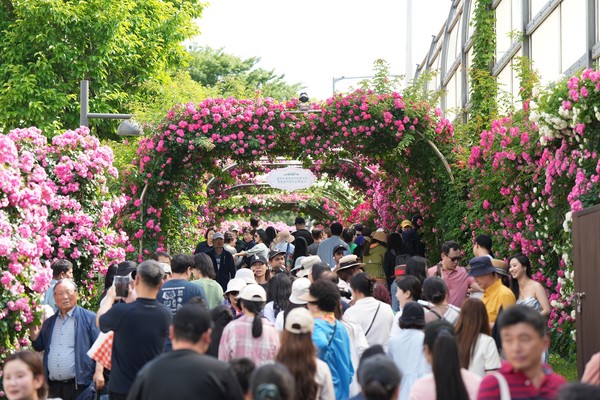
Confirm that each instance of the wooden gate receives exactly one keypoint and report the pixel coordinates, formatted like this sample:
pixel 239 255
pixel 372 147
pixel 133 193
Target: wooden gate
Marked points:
pixel 586 264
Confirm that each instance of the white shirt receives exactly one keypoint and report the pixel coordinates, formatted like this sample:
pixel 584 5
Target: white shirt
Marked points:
pixel 485 357
pixel 358 344
pixel 324 381
pixel 364 313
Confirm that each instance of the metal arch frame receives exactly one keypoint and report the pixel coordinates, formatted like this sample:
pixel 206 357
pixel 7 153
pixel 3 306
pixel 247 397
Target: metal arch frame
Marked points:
pixel 288 163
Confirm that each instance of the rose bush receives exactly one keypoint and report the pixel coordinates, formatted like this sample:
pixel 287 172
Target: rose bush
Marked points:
pixel 54 203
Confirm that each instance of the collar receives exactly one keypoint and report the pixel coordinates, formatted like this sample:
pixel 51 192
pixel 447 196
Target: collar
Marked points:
pixel 494 286
pixel 68 315
pixel 325 316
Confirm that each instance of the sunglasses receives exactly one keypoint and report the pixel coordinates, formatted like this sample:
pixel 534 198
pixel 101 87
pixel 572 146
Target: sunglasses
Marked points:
pixel 456 259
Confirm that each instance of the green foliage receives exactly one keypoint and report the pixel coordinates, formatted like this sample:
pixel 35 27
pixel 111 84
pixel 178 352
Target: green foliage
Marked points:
pixel 528 77
pixel 484 87
pixel 383 81
pixel 234 76
pixel 48 46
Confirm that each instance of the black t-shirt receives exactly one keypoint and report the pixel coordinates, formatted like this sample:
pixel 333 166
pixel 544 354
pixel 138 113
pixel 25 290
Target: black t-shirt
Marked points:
pixel 140 330
pixel 304 233
pixel 184 375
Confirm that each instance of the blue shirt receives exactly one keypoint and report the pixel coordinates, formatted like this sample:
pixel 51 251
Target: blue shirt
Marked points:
pixel 177 292
pixel 61 354
pixel 406 350
pixel 325 250
pixel 333 347
pixel 49 296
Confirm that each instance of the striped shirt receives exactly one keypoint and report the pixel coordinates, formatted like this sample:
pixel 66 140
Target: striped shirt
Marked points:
pixel 520 386
pixel 61 354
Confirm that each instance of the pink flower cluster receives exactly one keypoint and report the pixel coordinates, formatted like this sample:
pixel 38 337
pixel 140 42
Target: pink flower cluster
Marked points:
pixel 54 202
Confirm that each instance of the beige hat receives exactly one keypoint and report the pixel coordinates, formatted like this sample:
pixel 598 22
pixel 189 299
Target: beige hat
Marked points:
pixel 284 236
pixel 349 262
pixel 299 320
pixel 299 287
pixel 253 293
pixel 307 264
pixel 501 266
pixel 380 236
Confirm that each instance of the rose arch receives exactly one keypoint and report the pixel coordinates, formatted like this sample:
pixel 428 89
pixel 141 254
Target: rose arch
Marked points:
pixel 404 144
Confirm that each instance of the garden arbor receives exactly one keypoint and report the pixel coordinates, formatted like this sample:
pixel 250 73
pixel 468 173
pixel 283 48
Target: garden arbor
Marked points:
pixel 182 175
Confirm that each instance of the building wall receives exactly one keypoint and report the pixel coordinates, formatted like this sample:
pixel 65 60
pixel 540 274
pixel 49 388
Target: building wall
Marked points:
pixel 559 36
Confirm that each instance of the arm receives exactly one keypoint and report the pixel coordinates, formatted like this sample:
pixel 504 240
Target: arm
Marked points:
pixel 540 294
pixel 106 304
pixel 99 376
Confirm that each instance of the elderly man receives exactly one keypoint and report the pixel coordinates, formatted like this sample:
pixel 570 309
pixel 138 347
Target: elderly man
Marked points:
pixel 140 328
pixel 495 294
pixel 61 269
pixel 65 339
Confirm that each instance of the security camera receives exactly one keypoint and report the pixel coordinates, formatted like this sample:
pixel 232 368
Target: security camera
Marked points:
pixel 303 97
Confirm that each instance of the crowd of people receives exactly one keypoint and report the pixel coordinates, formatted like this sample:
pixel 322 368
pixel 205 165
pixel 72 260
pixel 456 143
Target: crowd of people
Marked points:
pixel 334 313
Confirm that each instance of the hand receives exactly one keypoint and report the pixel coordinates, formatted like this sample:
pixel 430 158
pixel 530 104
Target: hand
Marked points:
pixel 591 374
pixel 111 293
pixel 99 380
pixel 34 332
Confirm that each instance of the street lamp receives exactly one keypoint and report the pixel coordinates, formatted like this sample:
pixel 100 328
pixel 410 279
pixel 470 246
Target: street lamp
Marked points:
pixel 126 128
pixel 342 78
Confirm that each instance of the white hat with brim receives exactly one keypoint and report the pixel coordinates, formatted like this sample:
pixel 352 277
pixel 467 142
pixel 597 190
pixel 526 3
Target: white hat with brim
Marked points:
pixel 235 285
pixel 299 287
pixel 246 275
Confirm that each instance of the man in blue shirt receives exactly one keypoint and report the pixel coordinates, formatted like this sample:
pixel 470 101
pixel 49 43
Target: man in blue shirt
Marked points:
pixel 178 290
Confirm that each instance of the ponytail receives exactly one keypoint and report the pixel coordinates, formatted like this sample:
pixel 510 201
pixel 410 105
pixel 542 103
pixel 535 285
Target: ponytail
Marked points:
pixel 255 307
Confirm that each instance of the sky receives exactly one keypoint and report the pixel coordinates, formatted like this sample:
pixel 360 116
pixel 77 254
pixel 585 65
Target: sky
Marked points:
pixel 313 41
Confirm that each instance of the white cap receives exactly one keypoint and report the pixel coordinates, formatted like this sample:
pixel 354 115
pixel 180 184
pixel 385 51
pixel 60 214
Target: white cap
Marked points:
pixel 299 287
pixel 307 264
pixel 299 320
pixel 235 285
pixel 253 293
pixel 246 275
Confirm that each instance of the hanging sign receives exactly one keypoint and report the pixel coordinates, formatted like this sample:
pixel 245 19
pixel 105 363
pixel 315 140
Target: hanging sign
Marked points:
pixel 291 178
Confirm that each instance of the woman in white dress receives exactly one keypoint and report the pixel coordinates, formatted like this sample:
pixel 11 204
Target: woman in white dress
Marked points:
pixel 478 351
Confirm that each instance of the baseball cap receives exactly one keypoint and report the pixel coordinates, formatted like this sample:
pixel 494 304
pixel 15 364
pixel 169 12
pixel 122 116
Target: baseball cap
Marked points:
pixel 406 223
pixel 340 247
pixel 480 266
pixel 274 253
pixel 299 287
pixel 380 368
pixel 253 293
pixel 218 235
pixel 234 228
pixel 257 259
pixel 299 320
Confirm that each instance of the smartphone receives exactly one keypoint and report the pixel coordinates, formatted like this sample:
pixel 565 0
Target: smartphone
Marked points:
pixel 122 286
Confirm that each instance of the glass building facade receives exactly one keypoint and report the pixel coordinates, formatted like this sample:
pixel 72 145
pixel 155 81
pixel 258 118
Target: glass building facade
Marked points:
pixel 559 36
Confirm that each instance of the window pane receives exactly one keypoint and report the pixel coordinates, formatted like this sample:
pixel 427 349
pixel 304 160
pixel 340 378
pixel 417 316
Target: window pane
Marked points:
pixel 517 15
pixel 503 28
pixel 573 31
pixel 535 6
pixel 471 9
pixel 545 46
pixel 505 88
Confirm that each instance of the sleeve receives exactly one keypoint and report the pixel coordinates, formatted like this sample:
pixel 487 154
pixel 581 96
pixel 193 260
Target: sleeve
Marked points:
pixel 110 320
pixel 491 357
pixel 327 391
pixel 39 344
pixel 94 331
pixel 507 299
pixel 224 349
pixel 254 250
pixel 489 389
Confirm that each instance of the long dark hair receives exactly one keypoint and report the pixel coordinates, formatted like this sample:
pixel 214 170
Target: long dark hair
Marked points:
pixel 524 260
pixel 395 243
pixel 255 307
pixel 472 321
pixel 271 234
pixel 300 249
pixel 441 342
pixel 297 353
pixel 417 266
pixel 279 290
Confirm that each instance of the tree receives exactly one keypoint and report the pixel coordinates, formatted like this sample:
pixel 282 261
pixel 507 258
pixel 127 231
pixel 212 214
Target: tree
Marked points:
pixel 234 76
pixel 48 46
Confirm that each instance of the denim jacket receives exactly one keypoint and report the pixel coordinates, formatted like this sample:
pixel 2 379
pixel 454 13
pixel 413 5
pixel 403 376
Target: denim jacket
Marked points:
pixel 86 333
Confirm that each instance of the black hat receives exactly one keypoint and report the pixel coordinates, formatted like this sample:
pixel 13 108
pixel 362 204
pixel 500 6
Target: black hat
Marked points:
pixel 480 266
pixel 274 253
pixel 255 259
pixel 340 247
pixel 125 268
pixel 412 312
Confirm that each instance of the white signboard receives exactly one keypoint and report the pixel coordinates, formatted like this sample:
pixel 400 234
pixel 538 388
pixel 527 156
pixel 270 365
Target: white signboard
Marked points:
pixel 291 178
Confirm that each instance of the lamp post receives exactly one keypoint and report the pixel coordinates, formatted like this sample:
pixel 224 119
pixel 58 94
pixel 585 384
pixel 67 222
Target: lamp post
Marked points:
pixel 342 78
pixel 126 128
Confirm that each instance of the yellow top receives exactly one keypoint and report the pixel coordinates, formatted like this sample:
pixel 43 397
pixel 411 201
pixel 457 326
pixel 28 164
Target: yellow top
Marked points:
pixel 496 296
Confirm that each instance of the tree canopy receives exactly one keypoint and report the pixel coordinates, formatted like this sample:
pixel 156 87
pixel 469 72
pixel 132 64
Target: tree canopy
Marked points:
pixel 234 76
pixel 48 46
